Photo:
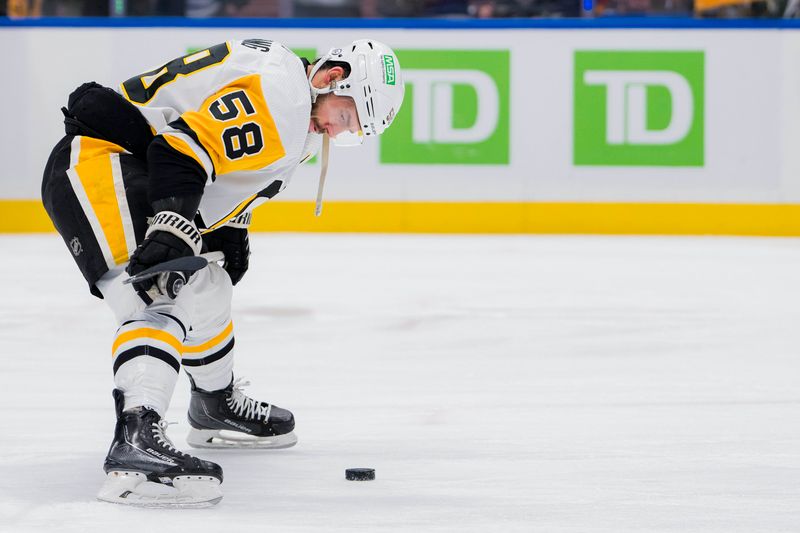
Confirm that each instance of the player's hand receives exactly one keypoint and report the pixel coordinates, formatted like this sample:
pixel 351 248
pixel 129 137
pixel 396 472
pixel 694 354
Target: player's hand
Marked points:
pixel 158 247
pixel 169 236
pixel 235 244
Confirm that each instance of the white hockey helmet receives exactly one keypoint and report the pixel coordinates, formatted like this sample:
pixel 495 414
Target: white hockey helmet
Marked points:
pixel 375 84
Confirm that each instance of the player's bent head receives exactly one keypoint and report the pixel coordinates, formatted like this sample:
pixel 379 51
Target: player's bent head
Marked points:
pixel 368 72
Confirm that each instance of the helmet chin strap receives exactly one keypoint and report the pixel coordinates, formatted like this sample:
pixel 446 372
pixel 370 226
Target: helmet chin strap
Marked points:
pixel 326 143
pixel 322 172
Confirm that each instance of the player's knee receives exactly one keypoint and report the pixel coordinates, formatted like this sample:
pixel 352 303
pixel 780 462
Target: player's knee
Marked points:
pixel 212 291
pixel 221 282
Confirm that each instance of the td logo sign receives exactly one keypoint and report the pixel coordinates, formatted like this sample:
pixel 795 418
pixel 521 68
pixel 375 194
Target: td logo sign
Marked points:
pixel 639 108
pixel 455 109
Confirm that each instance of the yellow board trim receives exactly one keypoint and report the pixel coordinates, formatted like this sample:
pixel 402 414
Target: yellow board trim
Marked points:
pixel 24 216
pixel 779 220
pixel 532 218
pixel 147 333
pixel 97 177
pixel 210 344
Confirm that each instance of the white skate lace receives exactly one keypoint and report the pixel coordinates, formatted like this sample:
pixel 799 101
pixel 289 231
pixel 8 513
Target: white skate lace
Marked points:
pixel 159 432
pixel 245 406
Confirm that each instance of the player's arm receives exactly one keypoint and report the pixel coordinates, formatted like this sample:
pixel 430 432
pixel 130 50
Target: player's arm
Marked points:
pixel 182 160
pixel 233 240
pixel 232 131
pixel 232 237
pixel 175 188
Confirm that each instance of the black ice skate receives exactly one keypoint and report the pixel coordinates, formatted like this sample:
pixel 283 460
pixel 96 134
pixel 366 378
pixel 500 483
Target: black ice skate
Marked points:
pixel 229 419
pixel 145 469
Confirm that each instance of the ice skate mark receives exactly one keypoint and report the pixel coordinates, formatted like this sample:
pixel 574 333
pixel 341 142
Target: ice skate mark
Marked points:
pixel 277 312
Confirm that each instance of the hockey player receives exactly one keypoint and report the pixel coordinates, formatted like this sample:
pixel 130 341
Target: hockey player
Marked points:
pixel 170 165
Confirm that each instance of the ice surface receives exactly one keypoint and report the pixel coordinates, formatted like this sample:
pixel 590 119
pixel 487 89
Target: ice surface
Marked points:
pixel 507 383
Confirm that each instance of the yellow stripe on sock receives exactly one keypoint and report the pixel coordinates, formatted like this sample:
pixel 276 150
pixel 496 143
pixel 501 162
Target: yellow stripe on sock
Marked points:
pixel 212 343
pixel 147 333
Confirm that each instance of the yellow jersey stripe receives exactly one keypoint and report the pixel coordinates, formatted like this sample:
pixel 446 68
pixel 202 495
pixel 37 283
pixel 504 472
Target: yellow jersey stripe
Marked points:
pixel 198 56
pixel 147 81
pixel 147 333
pixel 96 175
pixel 210 344
pixel 233 214
pixel 179 145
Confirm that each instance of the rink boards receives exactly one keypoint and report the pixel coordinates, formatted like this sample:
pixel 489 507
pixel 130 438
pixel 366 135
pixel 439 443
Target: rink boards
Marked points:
pixel 572 129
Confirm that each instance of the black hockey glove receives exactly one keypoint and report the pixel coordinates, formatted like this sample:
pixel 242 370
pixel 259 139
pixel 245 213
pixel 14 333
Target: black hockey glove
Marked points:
pixel 234 243
pixel 169 236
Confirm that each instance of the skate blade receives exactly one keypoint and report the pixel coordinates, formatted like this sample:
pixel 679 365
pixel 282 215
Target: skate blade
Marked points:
pixel 216 438
pixel 187 492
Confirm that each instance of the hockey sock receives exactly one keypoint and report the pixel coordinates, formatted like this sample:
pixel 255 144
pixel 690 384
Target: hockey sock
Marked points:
pixel 209 359
pixel 146 357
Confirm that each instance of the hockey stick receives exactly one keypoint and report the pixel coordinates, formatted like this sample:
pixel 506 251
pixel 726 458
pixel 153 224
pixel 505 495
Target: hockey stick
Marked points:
pixel 174 274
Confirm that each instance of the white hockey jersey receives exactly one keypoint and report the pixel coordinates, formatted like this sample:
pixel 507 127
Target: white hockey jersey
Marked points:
pixel 241 109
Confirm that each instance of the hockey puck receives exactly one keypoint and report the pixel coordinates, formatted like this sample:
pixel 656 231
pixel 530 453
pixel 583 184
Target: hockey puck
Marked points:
pixel 359 474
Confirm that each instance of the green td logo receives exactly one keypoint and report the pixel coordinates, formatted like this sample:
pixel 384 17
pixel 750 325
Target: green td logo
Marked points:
pixel 455 109
pixel 639 108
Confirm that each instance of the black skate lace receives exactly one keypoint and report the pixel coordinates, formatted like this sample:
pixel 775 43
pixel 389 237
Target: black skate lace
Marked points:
pixel 245 406
pixel 159 428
